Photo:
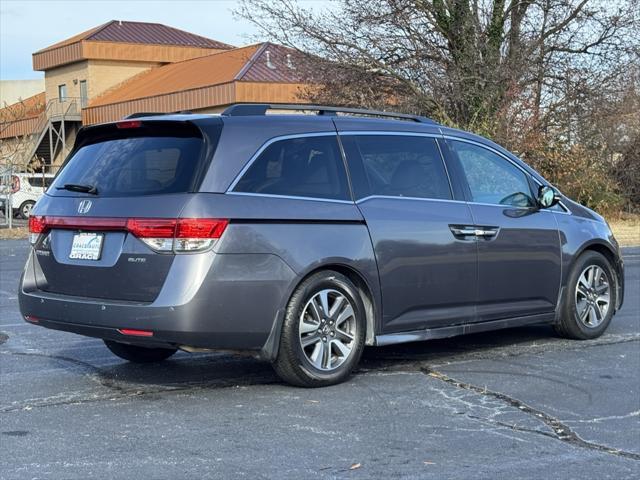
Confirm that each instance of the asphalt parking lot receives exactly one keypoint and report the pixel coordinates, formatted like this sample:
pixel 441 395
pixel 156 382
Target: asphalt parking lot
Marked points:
pixel 519 403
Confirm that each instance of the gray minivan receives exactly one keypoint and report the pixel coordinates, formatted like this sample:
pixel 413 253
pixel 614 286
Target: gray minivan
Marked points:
pixel 305 237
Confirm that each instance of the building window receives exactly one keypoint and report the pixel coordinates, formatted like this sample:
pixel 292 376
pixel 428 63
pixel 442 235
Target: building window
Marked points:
pixel 84 96
pixel 62 92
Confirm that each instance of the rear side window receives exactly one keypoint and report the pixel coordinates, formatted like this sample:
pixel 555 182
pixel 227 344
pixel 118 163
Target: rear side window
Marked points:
pixel 403 166
pixel 298 167
pixel 135 166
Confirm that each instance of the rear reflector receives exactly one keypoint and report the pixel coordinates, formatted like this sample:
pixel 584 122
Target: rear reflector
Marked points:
pixel 135 333
pixel 31 319
pixel 160 234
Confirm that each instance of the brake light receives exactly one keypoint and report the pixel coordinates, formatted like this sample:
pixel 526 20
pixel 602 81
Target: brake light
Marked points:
pixel 179 235
pixel 160 234
pixel 129 124
pixel 15 183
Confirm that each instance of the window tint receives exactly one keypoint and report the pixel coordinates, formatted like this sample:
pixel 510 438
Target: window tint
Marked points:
pixel 135 166
pixel 403 166
pixel 299 167
pixel 491 178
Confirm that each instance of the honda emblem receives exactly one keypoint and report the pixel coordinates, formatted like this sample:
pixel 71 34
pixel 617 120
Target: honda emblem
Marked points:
pixel 84 206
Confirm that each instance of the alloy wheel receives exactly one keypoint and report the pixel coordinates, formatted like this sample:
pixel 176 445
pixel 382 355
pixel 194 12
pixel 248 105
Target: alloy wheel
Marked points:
pixel 592 296
pixel 327 329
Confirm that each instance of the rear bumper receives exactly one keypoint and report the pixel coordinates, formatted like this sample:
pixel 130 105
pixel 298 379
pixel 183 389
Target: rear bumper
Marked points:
pixel 225 302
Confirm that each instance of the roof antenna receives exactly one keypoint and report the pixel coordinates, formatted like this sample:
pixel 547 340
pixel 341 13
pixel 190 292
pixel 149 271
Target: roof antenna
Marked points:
pixel 290 63
pixel 269 64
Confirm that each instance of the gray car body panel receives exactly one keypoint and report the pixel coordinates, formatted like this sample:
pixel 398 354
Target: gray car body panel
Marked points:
pixel 422 282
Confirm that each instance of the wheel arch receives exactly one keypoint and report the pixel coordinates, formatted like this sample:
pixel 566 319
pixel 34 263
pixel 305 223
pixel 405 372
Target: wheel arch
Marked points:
pixel 608 252
pixel 372 309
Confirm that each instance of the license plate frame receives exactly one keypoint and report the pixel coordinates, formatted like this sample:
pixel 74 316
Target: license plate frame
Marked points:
pixel 86 246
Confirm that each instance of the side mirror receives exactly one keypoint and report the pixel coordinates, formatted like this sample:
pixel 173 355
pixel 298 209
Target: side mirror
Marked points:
pixel 547 196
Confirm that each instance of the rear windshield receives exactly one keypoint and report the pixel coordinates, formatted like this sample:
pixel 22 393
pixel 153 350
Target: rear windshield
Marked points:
pixel 134 166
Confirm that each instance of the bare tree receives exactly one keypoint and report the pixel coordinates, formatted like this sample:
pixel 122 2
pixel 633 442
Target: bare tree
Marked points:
pixel 458 60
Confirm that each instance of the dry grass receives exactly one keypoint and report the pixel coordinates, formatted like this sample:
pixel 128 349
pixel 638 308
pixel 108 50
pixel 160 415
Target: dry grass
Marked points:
pixel 627 230
pixel 14 233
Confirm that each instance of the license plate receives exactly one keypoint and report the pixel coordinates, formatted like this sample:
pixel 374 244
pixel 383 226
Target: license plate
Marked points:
pixel 86 246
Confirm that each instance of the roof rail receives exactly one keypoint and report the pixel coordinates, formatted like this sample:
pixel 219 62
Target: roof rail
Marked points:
pixel 249 109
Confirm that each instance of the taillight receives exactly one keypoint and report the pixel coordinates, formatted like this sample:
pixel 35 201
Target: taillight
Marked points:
pixel 157 233
pixel 178 235
pixel 181 235
pixel 15 183
pixel 195 234
pixel 37 225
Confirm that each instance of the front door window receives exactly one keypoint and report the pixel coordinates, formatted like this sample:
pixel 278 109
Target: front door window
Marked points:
pixel 491 178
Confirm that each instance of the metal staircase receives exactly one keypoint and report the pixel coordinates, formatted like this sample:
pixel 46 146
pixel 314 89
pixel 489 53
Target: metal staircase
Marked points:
pixel 49 137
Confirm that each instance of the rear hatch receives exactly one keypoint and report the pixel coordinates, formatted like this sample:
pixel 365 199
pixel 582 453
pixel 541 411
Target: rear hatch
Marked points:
pixel 106 226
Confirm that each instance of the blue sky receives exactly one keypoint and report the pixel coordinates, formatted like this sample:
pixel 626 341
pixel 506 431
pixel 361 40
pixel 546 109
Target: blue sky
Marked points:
pixel 29 25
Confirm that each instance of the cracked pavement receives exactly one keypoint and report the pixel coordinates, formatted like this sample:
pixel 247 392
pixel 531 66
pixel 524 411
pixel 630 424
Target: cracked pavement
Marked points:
pixel 516 403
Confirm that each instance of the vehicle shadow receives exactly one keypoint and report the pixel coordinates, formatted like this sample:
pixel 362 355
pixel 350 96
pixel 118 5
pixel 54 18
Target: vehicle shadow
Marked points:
pixel 220 370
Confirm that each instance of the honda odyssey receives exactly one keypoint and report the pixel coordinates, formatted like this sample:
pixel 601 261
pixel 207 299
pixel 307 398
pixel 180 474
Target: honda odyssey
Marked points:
pixel 305 237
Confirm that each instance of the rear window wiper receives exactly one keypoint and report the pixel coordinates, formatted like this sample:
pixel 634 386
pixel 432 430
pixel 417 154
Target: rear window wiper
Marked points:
pixel 74 187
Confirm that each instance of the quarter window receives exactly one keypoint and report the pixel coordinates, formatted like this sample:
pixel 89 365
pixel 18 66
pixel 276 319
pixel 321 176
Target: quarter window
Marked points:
pixel 298 167
pixel 403 166
pixel 491 178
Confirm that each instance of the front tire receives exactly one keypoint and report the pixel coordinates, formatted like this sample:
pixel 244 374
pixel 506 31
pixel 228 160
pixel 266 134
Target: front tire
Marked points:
pixel 323 332
pixel 589 298
pixel 136 354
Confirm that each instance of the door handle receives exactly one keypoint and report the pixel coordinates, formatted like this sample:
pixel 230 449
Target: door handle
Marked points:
pixel 486 232
pixel 460 231
pixel 473 231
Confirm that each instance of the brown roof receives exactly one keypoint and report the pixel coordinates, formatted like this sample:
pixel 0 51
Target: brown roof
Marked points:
pixel 28 108
pixel 273 63
pixel 240 64
pixel 140 32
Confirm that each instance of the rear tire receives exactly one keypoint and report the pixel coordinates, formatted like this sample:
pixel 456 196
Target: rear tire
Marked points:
pixel 589 298
pixel 136 354
pixel 323 332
